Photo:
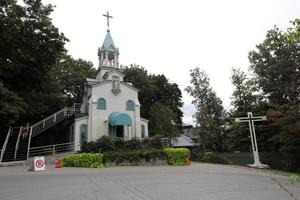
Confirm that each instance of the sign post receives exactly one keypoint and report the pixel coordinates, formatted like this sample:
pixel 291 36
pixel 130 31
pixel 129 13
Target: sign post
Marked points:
pixel 39 163
pixel 250 119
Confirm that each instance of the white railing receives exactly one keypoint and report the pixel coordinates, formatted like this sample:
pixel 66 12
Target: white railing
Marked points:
pixel 50 121
pixel 17 144
pixel 29 142
pixel 52 149
pixel 5 143
pixel 57 117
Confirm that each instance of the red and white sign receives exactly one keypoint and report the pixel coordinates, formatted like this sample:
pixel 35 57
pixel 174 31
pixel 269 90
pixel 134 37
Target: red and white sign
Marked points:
pixel 39 163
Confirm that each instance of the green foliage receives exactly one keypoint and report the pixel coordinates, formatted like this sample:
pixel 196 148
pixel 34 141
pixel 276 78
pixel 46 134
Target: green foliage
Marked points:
pixel 108 143
pixel 209 110
pixel 29 46
pixel 162 122
pixel 90 147
pixel 293 33
pixel 177 156
pixel 153 143
pixel 275 64
pixel 11 106
pixel 214 158
pixel 273 91
pixel 155 88
pixel 69 75
pixel 243 97
pixel 133 156
pixel 89 160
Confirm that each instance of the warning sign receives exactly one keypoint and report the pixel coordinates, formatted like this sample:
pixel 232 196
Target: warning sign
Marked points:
pixel 39 163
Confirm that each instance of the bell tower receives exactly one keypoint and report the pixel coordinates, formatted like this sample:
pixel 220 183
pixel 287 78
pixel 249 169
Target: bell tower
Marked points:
pixel 108 53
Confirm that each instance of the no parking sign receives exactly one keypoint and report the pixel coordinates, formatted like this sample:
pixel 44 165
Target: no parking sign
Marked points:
pixel 39 163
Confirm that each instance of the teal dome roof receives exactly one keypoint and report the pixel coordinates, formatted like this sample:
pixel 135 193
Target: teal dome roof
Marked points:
pixel 108 44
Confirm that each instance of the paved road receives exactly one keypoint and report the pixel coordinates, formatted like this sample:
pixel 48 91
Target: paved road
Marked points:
pixel 199 181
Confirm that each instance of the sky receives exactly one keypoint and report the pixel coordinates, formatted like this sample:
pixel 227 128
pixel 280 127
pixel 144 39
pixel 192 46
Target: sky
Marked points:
pixel 171 37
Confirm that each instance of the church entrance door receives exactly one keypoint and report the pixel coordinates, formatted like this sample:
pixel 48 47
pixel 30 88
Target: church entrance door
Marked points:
pixel 120 131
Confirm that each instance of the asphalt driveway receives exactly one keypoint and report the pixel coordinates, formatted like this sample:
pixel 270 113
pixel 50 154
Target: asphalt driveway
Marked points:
pixel 199 181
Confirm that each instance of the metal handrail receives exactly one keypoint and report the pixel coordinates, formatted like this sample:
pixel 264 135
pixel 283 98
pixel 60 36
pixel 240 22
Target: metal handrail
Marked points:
pixel 5 143
pixel 49 117
pixel 50 145
pixel 29 142
pixel 51 149
pixel 56 117
pixel 17 143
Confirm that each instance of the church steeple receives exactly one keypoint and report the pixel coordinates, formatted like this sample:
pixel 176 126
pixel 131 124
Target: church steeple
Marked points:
pixel 108 53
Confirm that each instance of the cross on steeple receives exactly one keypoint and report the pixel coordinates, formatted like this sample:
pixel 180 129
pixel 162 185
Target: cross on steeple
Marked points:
pixel 107 17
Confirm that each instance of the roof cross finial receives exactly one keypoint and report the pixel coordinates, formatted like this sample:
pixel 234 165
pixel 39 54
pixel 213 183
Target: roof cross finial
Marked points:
pixel 107 17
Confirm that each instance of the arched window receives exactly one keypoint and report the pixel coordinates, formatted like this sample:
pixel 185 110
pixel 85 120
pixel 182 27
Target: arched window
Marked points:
pixel 143 131
pixel 129 105
pixel 83 133
pixel 101 104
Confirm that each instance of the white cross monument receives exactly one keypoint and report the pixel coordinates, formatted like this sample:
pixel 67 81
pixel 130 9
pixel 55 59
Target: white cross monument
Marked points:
pixel 250 119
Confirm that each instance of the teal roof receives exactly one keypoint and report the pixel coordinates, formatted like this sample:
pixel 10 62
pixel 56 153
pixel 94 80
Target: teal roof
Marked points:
pixel 91 81
pixel 117 118
pixel 108 44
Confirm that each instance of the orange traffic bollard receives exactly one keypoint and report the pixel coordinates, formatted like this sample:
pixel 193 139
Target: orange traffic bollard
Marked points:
pixel 186 162
pixel 58 163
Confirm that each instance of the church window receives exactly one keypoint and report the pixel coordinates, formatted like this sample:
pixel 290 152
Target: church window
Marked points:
pixel 129 105
pixel 83 133
pixel 101 104
pixel 143 131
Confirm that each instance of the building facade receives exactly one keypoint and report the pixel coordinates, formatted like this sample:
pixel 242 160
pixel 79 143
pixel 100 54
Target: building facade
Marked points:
pixel 112 105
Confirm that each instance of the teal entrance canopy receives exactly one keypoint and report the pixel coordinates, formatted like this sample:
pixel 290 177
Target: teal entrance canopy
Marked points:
pixel 117 118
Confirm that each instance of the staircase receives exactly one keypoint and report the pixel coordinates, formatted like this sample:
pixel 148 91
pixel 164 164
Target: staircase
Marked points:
pixel 9 150
pixel 16 145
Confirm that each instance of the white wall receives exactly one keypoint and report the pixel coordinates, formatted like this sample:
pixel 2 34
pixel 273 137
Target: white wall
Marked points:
pixel 98 119
pixel 78 123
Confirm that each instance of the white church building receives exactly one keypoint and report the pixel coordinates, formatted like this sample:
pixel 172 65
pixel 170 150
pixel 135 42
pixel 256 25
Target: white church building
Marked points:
pixel 112 105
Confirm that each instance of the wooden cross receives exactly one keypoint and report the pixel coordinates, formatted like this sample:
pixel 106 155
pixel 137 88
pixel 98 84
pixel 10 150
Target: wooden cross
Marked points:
pixel 250 119
pixel 107 17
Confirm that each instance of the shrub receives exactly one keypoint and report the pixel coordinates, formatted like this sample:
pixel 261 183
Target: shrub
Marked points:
pixel 214 158
pixel 154 142
pixel 105 144
pixel 91 160
pixel 134 143
pixel 196 154
pixel 108 143
pixel 90 147
pixel 177 156
pixel 133 156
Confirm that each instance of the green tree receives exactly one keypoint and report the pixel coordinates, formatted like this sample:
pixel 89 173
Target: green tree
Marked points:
pixel 276 69
pixel 275 64
pixel 155 88
pixel 245 98
pixel 11 106
pixel 162 122
pixel 209 110
pixel 293 33
pixel 69 75
pixel 245 95
pixel 29 46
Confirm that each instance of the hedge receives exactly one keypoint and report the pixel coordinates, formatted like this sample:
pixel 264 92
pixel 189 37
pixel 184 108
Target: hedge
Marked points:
pixel 90 160
pixel 108 143
pixel 177 156
pixel 214 158
pixel 133 156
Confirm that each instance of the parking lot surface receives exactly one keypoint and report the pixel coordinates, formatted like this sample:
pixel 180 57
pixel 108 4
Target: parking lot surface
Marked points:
pixel 198 181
